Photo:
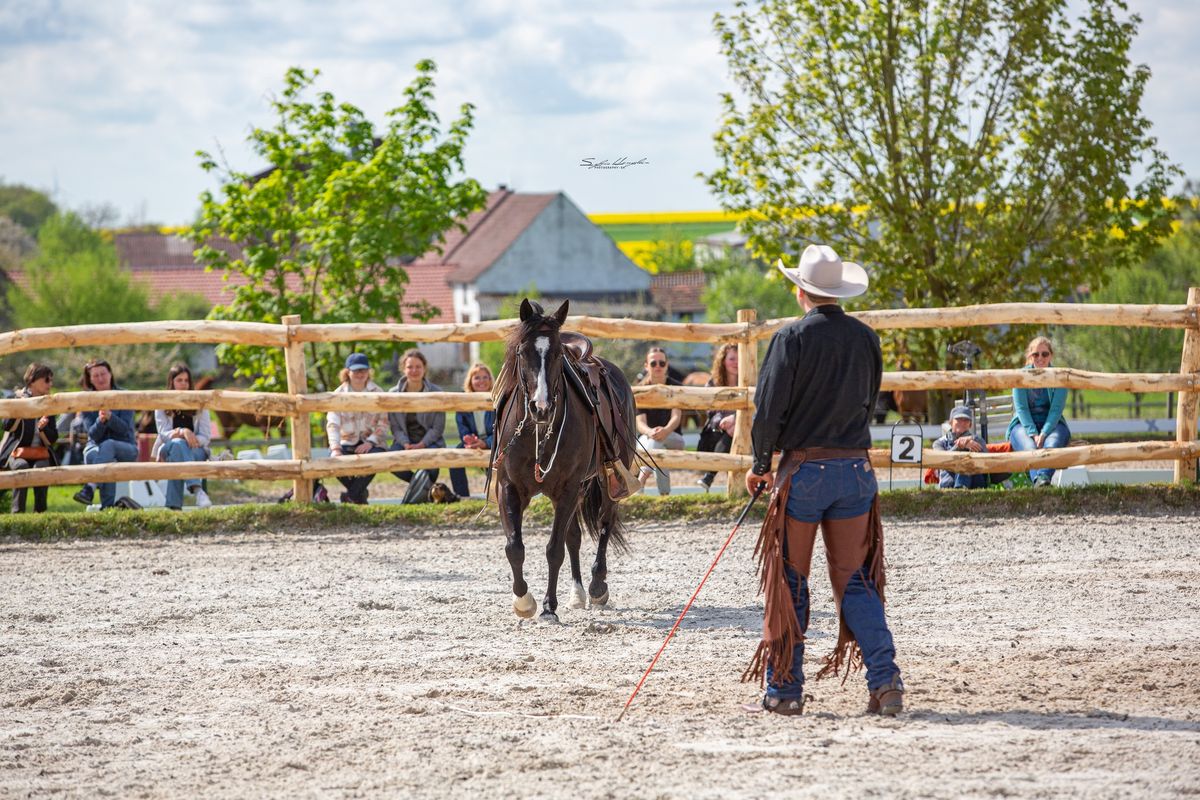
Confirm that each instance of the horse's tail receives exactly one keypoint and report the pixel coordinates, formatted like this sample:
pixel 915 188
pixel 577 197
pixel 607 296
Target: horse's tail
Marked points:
pixel 598 512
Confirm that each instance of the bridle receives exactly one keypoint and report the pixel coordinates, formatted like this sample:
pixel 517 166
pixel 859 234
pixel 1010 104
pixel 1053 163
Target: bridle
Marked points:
pixel 543 418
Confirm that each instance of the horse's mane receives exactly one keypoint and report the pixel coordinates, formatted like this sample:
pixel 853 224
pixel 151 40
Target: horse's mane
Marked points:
pixel 204 383
pixel 539 323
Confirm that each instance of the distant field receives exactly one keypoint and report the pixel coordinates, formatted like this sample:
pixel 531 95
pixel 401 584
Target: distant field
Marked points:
pixel 633 232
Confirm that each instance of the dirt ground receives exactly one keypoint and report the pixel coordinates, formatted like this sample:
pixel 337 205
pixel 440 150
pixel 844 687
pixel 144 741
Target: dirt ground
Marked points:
pixel 1046 657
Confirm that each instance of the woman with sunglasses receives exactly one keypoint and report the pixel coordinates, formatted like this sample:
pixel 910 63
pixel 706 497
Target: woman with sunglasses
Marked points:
pixel 659 427
pixel 29 443
pixel 1037 422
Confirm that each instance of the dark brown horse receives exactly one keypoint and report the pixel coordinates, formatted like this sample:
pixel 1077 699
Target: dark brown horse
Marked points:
pixel 232 421
pixel 548 442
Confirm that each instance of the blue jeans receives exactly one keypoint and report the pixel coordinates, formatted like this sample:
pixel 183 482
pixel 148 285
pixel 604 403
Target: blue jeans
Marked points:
pixel 960 480
pixel 110 451
pixel 175 451
pixel 1059 437
pixel 837 489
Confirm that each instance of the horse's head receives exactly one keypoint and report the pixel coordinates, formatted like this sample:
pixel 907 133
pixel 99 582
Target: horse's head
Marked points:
pixel 534 356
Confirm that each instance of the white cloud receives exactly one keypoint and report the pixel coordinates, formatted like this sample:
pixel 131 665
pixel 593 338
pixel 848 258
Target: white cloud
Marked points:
pixel 110 100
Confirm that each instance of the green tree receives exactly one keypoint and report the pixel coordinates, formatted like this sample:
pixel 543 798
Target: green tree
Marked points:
pixel 27 207
pixel 323 234
pixel 966 152
pixel 16 245
pixel 76 279
pixel 1164 278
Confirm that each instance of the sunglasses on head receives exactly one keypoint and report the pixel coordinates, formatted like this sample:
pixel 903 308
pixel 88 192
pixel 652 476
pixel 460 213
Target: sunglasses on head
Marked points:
pixel 657 363
pixel 1042 354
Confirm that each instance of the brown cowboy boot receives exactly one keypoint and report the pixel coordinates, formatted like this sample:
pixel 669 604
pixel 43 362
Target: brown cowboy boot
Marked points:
pixel 888 699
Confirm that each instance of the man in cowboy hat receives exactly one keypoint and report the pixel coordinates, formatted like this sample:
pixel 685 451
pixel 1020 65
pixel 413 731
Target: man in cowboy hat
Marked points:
pixel 816 391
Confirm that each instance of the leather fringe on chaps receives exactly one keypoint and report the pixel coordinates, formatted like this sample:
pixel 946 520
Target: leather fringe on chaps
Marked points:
pixel 781 629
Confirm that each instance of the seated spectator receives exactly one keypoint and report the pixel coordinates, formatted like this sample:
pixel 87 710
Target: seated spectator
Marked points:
pixel 475 428
pixel 111 436
pixel 29 443
pixel 717 434
pixel 356 432
pixel 183 435
pixel 959 437
pixel 1037 422
pixel 659 427
pixel 416 430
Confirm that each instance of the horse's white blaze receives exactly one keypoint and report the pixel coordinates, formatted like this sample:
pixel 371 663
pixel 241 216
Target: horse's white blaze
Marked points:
pixel 541 397
pixel 578 598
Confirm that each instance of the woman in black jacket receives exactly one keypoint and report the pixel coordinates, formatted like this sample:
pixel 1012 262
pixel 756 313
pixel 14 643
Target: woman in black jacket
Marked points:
pixel 29 443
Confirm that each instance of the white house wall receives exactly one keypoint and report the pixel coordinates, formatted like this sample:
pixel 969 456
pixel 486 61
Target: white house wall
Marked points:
pixel 563 252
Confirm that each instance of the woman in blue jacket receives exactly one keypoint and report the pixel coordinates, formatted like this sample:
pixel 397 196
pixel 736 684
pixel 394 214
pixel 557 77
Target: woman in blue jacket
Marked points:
pixel 1037 422
pixel 475 428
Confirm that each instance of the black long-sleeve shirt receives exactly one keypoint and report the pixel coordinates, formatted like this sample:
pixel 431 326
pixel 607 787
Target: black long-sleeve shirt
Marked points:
pixel 817 385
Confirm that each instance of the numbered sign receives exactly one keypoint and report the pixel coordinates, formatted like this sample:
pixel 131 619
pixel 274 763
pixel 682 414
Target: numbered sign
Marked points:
pixel 906 448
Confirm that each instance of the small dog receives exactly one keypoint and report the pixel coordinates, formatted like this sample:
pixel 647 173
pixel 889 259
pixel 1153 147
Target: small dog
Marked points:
pixel 441 493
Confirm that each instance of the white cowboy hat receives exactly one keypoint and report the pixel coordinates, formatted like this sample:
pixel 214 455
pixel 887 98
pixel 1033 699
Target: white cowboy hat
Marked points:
pixel 822 273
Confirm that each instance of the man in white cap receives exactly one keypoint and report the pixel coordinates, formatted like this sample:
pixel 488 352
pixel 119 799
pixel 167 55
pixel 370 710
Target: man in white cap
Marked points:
pixel 816 391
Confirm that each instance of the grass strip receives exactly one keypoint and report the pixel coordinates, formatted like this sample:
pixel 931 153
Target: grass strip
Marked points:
pixel 1144 499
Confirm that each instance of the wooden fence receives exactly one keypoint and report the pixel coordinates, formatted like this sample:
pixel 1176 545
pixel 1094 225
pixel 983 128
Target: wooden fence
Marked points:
pixel 298 404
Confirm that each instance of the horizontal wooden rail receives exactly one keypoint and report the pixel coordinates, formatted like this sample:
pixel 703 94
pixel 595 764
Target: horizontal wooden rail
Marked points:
pixel 282 405
pixel 268 335
pixel 488 331
pixel 181 331
pixel 1040 379
pixel 655 396
pixel 1058 458
pixel 1102 314
pixel 269 469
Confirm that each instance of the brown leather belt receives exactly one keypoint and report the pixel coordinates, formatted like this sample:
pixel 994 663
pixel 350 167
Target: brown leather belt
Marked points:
pixel 823 453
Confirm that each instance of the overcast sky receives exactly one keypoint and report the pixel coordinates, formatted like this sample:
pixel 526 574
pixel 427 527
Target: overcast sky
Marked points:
pixel 106 102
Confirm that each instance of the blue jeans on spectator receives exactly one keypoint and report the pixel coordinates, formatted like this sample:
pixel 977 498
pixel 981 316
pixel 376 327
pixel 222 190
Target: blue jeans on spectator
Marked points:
pixel 175 451
pixel 837 489
pixel 960 480
pixel 1059 437
pixel 110 451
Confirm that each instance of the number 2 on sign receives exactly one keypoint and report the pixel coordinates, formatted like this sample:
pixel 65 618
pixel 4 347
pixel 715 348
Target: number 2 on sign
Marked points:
pixel 906 448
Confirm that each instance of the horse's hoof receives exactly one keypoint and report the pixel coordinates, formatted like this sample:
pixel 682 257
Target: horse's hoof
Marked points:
pixel 601 601
pixel 578 598
pixel 525 606
pixel 550 618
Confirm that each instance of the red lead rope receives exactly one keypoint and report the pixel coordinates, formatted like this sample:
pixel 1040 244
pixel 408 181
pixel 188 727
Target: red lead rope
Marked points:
pixel 675 627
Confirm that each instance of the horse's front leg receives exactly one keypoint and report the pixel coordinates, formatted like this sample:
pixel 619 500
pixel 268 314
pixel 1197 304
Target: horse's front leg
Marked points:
pixel 564 516
pixel 512 506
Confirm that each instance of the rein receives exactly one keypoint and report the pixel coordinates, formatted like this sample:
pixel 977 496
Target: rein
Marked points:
pixel 539 472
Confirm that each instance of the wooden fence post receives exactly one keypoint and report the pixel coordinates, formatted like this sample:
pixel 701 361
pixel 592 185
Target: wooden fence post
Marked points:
pixel 297 383
pixel 1189 364
pixel 747 376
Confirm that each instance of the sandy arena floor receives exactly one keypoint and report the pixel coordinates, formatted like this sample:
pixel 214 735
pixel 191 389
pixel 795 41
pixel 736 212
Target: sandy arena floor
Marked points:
pixel 1044 658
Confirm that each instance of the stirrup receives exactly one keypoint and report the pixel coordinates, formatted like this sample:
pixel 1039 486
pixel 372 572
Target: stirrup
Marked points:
pixel 619 480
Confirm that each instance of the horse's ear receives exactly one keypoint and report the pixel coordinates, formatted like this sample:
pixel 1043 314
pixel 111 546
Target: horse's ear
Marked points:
pixel 526 310
pixel 561 314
